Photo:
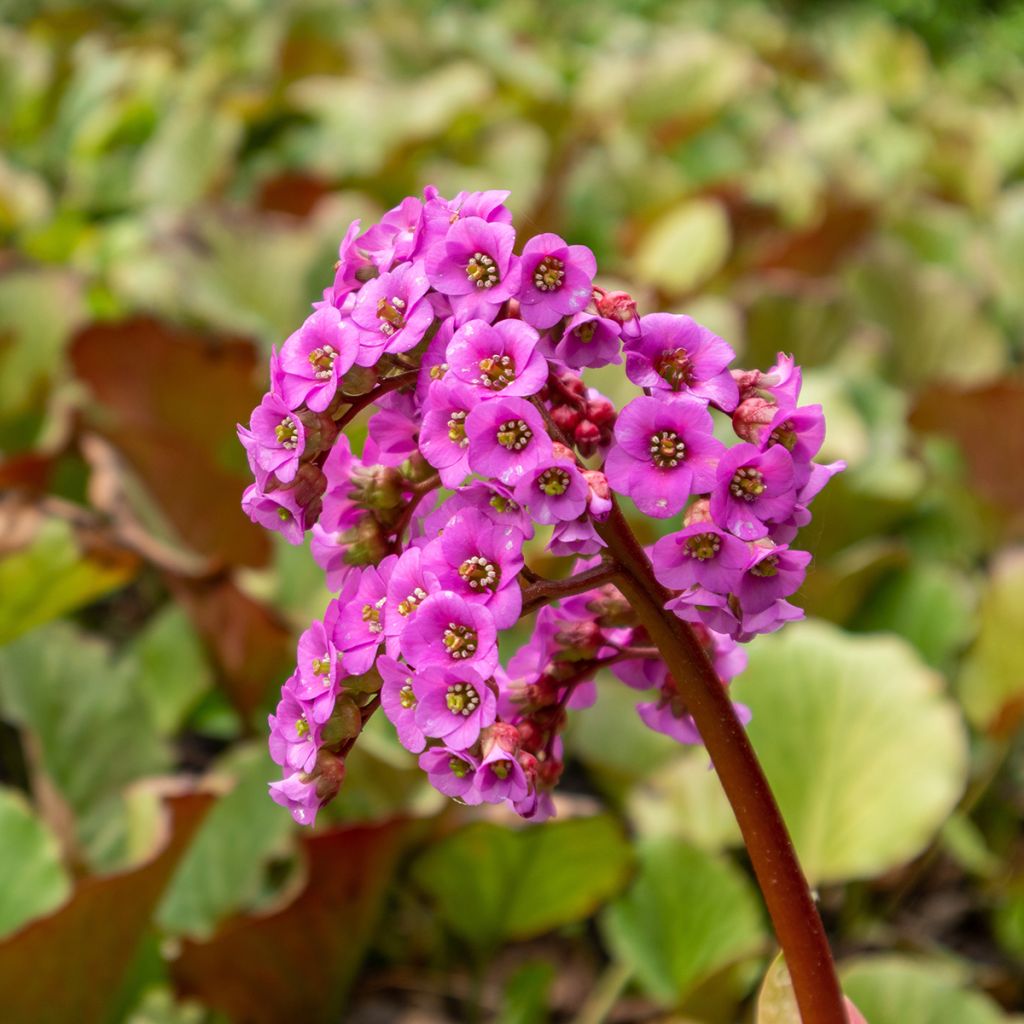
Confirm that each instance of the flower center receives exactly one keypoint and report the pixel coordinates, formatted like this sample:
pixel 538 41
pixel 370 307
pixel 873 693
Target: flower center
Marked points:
pixel 460 640
pixel 703 546
pixel 675 368
pixel 502 504
pixel 767 567
pixel 496 372
pixel 301 726
pixel 390 315
pixel 409 605
pixel 482 270
pixel 553 482
pixel 747 484
pixel 322 666
pixel 514 435
pixel 406 697
pixel 480 573
pixel 585 332
pixel 458 767
pixel 287 433
pixel 784 434
pixel 457 428
pixel 462 699
pixel 437 372
pixel 501 769
pixel 322 361
pixel 371 616
pixel 667 451
pixel 549 274
pixel 283 514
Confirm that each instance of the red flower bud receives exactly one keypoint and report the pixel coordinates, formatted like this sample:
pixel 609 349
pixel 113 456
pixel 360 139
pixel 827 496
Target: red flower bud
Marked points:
pixel 617 306
pixel 750 416
pixel 600 411
pixel 566 418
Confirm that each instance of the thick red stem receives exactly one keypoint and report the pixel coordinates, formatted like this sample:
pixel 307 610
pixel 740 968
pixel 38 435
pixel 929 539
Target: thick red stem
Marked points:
pixel 786 893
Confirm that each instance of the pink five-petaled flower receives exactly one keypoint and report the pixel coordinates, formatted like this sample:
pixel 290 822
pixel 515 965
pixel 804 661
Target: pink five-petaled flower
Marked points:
pixel 665 453
pixel 280 437
pixel 557 279
pixel 502 359
pixel 679 356
pixel 276 510
pixel 774 572
pixel 753 488
pixel 555 491
pixel 443 442
pixel 398 702
pixel 447 631
pixel 453 704
pixel 475 259
pixel 319 670
pixel 480 560
pixel 294 736
pixel 297 793
pixel 701 553
pixel 315 357
pixel 392 312
pixel 501 777
pixel 452 772
pixel 506 439
pixel 359 629
pixel 589 340
pixel 410 584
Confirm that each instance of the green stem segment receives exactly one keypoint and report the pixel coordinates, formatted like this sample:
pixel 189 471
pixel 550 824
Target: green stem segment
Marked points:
pixel 786 893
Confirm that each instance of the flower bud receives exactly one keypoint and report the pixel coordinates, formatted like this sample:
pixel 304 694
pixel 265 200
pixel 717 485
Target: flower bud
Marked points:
pixel 549 772
pixel 503 735
pixel 366 542
pixel 600 411
pixel 587 436
pixel 359 380
pixel 329 773
pixel 566 418
pixel 600 499
pixel 345 722
pixel 751 416
pixel 377 487
pixel 309 484
pixel 698 512
pixel 580 639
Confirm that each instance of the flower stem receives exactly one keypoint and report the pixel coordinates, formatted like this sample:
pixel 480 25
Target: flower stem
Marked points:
pixel 786 893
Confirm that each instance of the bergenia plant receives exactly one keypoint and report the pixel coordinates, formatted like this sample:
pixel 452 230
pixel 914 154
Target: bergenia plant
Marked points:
pixel 483 432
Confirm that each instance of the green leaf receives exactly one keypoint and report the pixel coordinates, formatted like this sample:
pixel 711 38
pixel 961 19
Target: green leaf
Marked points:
pixel 991 684
pixel 899 990
pixel 35 881
pixel 687 915
pixel 173 670
pixel 92 726
pixel 492 883
pixel 865 755
pixel 51 577
pixel 684 247
pixel 223 869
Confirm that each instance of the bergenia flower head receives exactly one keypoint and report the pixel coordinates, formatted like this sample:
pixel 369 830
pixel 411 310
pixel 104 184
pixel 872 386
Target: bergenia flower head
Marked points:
pixel 468 361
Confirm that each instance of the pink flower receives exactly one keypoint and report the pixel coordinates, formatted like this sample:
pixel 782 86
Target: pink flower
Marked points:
pixel 452 772
pixel 315 357
pixel 453 704
pixel 392 312
pixel 502 359
pixel 753 488
pixel 557 279
pixel 398 702
pixel 449 631
pixel 506 439
pixel 475 258
pixel 665 453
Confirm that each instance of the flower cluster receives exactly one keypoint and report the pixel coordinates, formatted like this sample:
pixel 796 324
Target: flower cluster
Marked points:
pixel 472 358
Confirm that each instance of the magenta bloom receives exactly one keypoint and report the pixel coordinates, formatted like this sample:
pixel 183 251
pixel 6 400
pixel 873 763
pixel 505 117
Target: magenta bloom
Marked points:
pixel 701 553
pixel 450 631
pixel 775 572
pixel 488 496
pixel 443 440
pixel 294 736
pixel 398 702
pixel 665 453
pixel 676 354
pixel 315 357
pixel 391 432
pixel 502 359
pixel 589 340
pixel 507 438
pixel 801 432
pixel 475 258
pixel 575 537
pixel 480 560
pixel 753 488
pixel 276 510
pixel 339 510
pixel 319 670
pixel 454 704
pixel 557 279
pixel 392 312
pixel 280 438
pixel 397 236
pixel 409 586
pixel 297 793
pixel 452 772
pixel 554 490
pixel 359 631
pixel 501 777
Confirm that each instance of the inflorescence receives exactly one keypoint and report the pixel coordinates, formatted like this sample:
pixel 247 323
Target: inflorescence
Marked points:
pixel 471 357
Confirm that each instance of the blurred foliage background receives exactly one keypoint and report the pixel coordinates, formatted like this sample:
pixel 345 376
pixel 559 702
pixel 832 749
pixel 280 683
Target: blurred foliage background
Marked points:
pixel 841 181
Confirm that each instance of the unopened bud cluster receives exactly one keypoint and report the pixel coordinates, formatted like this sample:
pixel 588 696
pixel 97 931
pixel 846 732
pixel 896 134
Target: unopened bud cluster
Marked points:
pixel 472 358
